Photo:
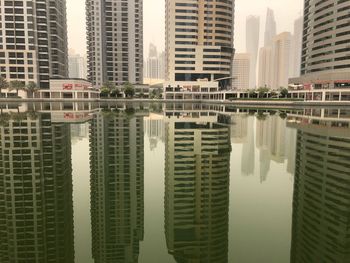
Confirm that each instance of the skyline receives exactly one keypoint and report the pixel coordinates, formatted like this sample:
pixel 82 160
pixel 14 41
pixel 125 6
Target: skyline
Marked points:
pixel 284 17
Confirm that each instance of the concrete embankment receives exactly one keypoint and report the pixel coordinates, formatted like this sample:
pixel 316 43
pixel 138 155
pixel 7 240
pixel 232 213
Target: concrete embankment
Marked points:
pixel 250 103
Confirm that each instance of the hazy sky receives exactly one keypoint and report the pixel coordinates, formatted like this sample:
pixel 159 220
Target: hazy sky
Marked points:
pixel 286 11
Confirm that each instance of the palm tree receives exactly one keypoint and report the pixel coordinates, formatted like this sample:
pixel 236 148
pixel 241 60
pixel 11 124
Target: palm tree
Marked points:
pixel 3 84
pixel 31 88
pixel 17 86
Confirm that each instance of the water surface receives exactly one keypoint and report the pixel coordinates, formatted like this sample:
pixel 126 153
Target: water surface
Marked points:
pixel 174 183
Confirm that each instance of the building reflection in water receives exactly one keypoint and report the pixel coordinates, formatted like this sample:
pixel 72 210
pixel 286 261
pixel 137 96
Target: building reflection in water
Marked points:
pixel 117 186
pixel 36 209
pixel 321 203
pixel 197 167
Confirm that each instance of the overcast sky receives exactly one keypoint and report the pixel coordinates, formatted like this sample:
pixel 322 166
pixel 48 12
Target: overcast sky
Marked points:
pixel 286 11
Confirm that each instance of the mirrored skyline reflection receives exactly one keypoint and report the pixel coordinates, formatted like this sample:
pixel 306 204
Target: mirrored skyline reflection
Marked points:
pixel 204 197
pixel 197 171
pixel 321 202
pixel 117 186
pixel 36 208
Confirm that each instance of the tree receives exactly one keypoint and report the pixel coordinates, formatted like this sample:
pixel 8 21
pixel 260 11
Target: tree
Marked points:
pixel 251 93
pixel 109 85
pixel 31 88
pixel 17 86
pixel 129 90
pixel 274 94
pixel 115 92
pixel 284 92
pixel 153 94
pixel 262 91
pixel 105 92
pixel 107 88
pixel 3 84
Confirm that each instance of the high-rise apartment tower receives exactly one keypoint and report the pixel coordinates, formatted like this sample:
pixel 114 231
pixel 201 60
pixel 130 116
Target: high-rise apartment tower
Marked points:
pixel 33 41
pixel 325 60
pixel 199 39
pixel 115 41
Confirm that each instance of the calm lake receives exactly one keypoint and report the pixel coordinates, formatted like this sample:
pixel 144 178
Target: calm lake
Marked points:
pixel 184 183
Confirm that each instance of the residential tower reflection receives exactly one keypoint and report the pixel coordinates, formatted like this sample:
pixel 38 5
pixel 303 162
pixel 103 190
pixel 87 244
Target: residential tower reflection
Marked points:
pixel 197 167
pixel 117 185
pixel 36 209
pixel 321 203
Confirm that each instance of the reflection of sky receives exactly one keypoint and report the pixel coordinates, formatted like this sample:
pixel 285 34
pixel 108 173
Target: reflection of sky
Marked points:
pixel 81 200
pixel 260 214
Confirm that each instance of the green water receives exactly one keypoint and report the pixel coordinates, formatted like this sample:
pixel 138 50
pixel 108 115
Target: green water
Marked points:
pixel 155 183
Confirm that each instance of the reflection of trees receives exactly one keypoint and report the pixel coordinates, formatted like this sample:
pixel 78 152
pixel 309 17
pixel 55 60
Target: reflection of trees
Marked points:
pixel 261 116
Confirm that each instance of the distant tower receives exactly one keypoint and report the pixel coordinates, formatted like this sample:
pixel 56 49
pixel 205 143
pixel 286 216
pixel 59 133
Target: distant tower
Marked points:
pixel 76 65
pixel 241 71
pixel 281 60
pixel 152 62
pixel 296 47
pixel 266 68
pixel 33 45
pixel 161 68
pixel 270 27
pixel 252 46
pixel 115 41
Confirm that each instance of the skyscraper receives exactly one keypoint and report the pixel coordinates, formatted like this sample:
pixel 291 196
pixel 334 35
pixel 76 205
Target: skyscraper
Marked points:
pixel 325 60
pixel 115 41
pixel 270 27
pixel 36 206
pixel 281 60
pixel 199 39
pixel 197 164
pixel 266 68
pixel 77 65
pixel 274 62
pixel 161 67
pixel 152 62
pixel 241 71
pixel 252 46
pixel 296 47
pixel 117 188
pixel 33 46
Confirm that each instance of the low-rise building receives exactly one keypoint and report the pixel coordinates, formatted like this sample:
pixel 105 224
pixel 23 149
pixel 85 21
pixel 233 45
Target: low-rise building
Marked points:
pixel 68 89
pixel 193 90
